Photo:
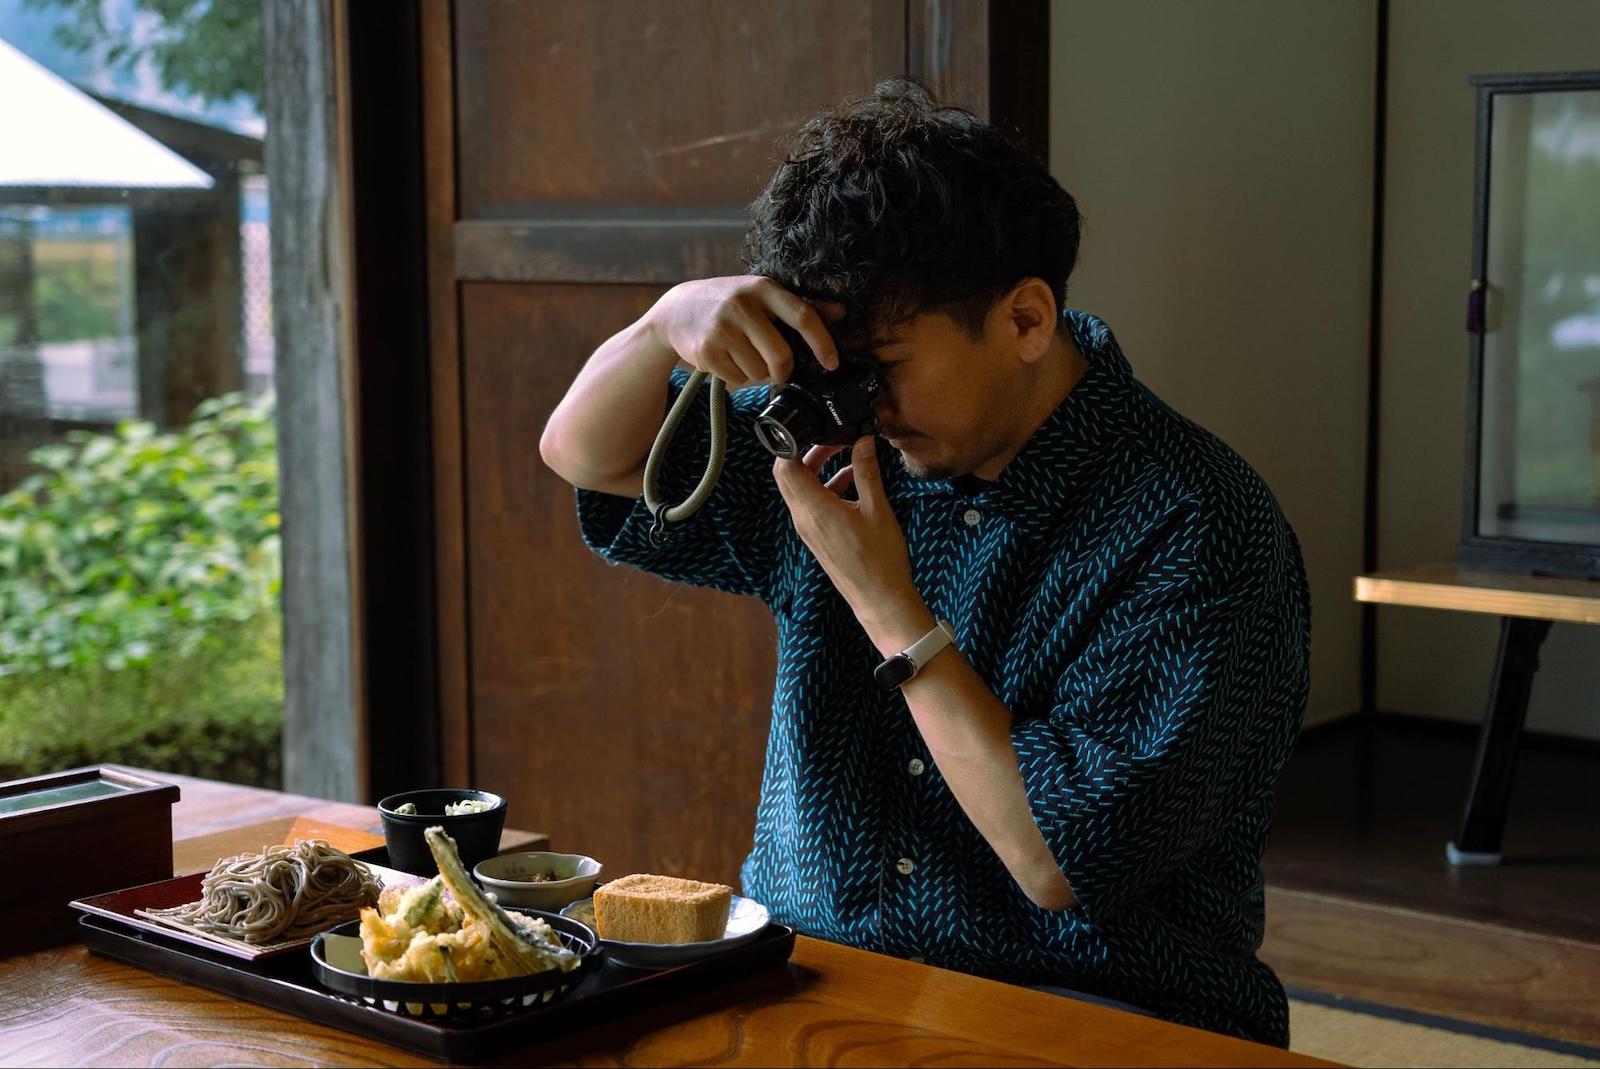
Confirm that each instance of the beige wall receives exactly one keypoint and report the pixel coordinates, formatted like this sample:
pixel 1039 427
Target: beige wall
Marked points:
pixel 1434 663
pixel 1221 153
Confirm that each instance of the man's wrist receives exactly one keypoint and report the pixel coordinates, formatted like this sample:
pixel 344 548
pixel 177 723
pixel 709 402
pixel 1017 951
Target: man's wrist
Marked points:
pixel 894 625
pixel 649 335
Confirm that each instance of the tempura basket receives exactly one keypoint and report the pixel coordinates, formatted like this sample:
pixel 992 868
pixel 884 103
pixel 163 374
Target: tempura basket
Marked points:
pixel 474 1002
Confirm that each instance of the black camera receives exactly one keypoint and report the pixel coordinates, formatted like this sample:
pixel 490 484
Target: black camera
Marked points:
pixel 816 406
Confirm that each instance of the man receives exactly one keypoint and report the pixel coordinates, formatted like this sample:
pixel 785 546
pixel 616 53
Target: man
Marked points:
pixel 1075 792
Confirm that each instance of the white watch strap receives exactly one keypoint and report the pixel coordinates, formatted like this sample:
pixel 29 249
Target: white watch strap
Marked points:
pixel 922 650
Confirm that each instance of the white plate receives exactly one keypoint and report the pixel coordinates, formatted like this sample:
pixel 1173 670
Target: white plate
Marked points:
pixel 746 920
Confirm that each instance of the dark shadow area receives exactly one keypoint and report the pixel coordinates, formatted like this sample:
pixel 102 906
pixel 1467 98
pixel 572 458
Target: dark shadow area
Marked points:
pixel 1366 806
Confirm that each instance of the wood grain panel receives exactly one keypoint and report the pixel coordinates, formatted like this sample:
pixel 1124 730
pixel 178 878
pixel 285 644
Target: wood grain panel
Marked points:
pixel 626 713
pixel 846 1007
pixel 835 1006
pixel 948 49
pixel 1445 586
pixel 203 851
pixel 649 101
pixel 54 859
pixel 1416 961
pixel 211 817
pixel 97 1012
pixel 991 58
pixel 661 251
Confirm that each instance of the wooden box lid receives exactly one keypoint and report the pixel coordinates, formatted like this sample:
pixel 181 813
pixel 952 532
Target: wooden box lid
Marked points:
pixel 97 793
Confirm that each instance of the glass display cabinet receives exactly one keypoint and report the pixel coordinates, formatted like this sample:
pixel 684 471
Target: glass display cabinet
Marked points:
pixel 1532 500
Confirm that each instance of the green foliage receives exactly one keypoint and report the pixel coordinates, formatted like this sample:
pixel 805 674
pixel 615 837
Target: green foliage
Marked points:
pixel 139 581
pixel 211 48
pixel 138 542
pixel 77 298
pixel 217 714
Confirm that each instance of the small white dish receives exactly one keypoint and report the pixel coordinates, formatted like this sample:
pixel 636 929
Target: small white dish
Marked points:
pixel 507 877
pixel 746 920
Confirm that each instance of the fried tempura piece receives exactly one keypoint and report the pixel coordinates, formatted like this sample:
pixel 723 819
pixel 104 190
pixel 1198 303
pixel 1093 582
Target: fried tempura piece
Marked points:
pixel 436 958
pixel 395 937
pixel 422 932
pixel 516 945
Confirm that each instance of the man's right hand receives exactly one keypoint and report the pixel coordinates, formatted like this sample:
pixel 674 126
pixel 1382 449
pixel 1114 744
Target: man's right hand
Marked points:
pixel 600 434
pixel 724 327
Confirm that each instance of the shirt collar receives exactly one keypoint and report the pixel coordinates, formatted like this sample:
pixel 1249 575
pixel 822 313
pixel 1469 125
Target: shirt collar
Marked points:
pixel 1052 466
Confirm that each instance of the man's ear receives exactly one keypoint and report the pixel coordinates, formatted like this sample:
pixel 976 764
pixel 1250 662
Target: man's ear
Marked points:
pixel 1031 313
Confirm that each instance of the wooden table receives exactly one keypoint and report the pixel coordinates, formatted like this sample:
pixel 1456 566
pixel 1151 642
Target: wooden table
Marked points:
pixel 1527 605
pixel 834 1005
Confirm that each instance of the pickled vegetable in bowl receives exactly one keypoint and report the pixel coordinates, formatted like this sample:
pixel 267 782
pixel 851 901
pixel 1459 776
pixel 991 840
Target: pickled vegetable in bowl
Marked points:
pixel 475 820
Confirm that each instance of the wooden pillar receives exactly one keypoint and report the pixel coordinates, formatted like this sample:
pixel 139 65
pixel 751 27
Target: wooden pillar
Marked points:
pixel 323 726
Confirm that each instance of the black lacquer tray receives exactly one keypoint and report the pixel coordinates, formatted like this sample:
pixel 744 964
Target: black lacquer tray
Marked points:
pixel 287 983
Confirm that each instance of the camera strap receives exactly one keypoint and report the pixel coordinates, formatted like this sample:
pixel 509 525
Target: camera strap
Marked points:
pixel 670 514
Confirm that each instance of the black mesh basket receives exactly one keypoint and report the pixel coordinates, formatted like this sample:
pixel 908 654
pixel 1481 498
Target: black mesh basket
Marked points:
pixel 476 1002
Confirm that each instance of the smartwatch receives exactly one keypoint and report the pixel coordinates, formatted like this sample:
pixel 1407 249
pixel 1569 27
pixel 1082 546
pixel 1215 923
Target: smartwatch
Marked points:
pixel 908 662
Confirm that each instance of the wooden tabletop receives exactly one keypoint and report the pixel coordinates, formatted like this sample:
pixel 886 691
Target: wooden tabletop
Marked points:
pixel 1445 586
pixel 834 1005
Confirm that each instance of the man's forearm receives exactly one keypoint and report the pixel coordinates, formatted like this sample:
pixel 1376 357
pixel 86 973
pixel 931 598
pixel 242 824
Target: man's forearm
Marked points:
pixel 600 434
pixel 968 731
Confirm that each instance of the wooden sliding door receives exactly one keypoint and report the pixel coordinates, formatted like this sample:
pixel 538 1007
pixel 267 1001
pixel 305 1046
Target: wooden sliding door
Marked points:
pixel 581 158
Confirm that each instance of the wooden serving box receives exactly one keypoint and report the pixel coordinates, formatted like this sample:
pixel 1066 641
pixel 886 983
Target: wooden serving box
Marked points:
pixel 72 834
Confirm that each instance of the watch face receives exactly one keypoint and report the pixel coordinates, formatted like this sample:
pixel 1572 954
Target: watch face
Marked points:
pixel 893 672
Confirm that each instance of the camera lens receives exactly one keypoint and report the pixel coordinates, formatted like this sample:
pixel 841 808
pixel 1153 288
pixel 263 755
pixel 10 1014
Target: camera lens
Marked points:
pixel 789 423
pixel 776 439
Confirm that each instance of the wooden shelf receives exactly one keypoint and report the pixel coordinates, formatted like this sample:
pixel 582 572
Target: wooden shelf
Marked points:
pixel 1445 586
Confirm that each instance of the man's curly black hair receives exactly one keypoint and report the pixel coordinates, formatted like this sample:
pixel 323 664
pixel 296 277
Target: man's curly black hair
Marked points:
pixel 897 204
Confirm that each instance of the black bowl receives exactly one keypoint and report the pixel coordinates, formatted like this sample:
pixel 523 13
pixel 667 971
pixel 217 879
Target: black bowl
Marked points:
pixel 473 1002
pixel 476 835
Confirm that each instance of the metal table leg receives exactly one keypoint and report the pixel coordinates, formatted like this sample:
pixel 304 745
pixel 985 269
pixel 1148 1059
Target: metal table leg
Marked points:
pixel 1484 823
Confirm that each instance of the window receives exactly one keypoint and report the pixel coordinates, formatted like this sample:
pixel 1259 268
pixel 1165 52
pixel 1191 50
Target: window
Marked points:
pixel 139 549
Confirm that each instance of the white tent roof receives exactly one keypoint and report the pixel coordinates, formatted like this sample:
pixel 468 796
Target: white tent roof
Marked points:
pixel 52 134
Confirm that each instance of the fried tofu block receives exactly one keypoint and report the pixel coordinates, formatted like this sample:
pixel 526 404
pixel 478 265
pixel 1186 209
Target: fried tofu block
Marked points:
pixel 661 909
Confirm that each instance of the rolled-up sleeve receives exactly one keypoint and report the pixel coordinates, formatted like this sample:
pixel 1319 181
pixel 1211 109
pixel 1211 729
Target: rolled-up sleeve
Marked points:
pixel 1185 703
pixel 730 543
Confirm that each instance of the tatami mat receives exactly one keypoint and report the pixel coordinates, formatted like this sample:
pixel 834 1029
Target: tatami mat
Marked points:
pixel 1378 1036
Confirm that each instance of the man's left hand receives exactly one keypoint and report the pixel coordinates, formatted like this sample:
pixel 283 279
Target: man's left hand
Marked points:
pixel 858 543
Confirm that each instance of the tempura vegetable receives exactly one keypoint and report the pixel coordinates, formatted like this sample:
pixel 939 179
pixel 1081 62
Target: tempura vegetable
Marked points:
pixel 517 944
pixel 434 932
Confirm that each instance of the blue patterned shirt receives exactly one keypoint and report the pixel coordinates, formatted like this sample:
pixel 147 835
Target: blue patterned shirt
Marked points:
pixel 1129 589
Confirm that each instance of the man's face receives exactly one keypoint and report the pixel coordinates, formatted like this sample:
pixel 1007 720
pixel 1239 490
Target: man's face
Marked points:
pixel 948 398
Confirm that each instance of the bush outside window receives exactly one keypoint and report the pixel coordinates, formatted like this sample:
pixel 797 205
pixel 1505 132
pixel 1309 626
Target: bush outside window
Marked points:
pixel 139 545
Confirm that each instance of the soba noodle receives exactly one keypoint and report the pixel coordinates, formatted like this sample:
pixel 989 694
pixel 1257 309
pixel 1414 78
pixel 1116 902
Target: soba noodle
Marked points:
pixel 283 893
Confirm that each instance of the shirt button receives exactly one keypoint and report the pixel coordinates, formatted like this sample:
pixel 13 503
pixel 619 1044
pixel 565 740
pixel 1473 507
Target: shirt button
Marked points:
pixel 971 517
pixel 918 960
pixel 916 766
pixel 905 866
